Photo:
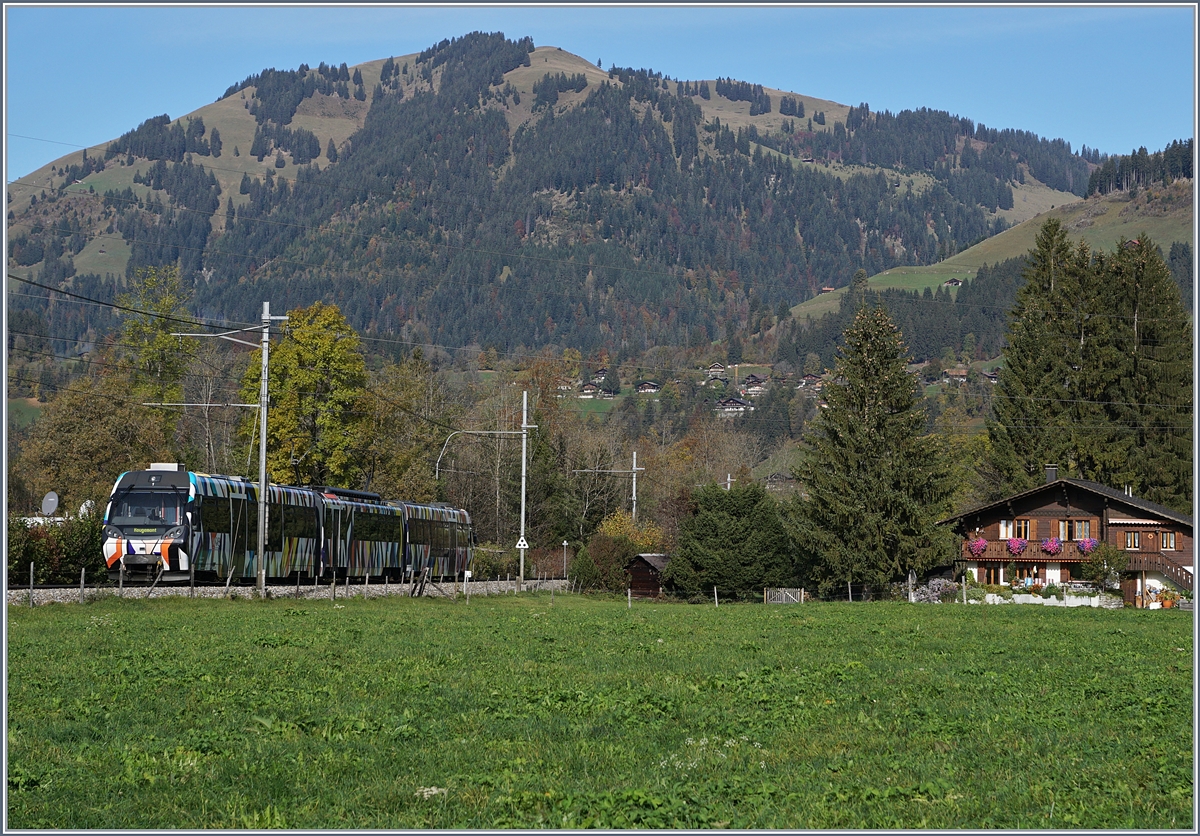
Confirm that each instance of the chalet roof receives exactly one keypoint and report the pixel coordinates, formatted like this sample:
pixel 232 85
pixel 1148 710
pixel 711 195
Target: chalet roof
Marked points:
pixel 657 561
pixel 1085 485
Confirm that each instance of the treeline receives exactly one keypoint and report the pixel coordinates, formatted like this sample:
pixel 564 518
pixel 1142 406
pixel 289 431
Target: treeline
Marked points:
pixel 189 186
pixel 158 139
pixel 1141 168
pixel 545 91
pixel 791 107
pixel 744 91
pixel 933 322
pixel 277 93
pixel 301 142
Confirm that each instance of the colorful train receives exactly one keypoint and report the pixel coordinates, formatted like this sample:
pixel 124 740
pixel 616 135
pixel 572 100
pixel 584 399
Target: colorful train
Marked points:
pixel 168 523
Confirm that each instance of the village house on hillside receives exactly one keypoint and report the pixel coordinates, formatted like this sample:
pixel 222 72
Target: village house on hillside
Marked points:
pixel 589 390
pixel 715 370
pixel 648 387
pixel 730 407
pixel 1048 531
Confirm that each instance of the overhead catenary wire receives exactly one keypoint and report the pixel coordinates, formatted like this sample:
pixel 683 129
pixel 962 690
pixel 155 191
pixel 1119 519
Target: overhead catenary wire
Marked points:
pixel 539 356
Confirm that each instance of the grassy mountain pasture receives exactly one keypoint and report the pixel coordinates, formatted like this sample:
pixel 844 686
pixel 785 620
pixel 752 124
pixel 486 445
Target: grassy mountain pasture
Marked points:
pixel 405 713
pixel 907 278
pixel 23 411
pixel 1165 214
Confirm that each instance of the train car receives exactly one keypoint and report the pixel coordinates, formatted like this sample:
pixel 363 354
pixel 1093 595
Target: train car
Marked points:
pixel 167 523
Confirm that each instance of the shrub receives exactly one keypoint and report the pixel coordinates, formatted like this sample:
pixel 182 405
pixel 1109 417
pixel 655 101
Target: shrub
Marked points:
pixel 492 561
pixel 58 551
pixel 608 558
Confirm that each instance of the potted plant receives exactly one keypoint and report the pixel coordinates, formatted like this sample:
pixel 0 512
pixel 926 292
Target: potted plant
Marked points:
pixel 977 546
pixel 1016 546
pixel 1169 598
pixel 1052 545
pixel 1088 545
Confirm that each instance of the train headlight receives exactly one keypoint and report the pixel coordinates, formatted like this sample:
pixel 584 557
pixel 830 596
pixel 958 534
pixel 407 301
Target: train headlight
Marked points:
pixel 175 533
pixel 112 533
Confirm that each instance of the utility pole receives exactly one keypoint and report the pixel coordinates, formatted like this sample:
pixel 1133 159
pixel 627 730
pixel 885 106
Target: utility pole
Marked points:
pixel 265 344
pixel 634 472
pixel 263 505
pixel 522 544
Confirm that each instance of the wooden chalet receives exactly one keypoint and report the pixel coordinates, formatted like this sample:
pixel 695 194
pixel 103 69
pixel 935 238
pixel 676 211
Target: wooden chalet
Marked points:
pixel 645 575
pixel 715 370
pixel 732 406
pixel 1045 532
pixel 599 375
pixel 648 387
pixel 589 390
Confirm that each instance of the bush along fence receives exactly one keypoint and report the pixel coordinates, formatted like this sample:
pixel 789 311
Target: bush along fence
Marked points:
pixel 58 550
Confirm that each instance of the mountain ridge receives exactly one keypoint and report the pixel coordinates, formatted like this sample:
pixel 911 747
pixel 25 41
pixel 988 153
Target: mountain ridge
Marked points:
pixel 431 246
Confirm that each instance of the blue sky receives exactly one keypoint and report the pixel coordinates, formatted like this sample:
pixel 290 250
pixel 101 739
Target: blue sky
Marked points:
pixel 1112 78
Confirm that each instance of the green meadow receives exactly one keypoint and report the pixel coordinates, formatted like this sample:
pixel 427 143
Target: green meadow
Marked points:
pixel 533 712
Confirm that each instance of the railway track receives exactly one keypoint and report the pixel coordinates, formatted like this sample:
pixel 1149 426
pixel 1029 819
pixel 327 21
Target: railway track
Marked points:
pixel 324 590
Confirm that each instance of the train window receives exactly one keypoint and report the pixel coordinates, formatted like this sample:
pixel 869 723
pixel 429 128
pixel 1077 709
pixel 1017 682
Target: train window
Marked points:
pixel 244 515
pixel 299 521
pixel 274 527
pixel 214 515
pixel 148 508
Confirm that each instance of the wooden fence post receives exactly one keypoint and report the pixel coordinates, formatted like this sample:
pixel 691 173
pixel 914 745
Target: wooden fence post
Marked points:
pixel 31 584
pixel 82 573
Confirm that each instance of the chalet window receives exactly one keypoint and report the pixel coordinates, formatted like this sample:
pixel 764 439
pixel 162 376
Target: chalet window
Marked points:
pixel 1021 529
pixel 1133 540
pixel 1083 529
pixel 989 572
pixel 1168 541
pixel 1006 529
pixel 1064 530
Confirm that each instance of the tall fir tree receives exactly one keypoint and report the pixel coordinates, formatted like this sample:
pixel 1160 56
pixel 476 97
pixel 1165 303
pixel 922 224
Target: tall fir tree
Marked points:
pixel 1097 373
pixel 1029 428
pixel 873 484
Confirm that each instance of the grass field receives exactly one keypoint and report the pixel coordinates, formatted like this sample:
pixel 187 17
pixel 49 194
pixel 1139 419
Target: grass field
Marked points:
pixel 520 712
pixel 23 411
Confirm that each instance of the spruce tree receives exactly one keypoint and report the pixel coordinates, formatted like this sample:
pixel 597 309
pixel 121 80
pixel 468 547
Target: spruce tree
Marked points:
pixel 1097 373
pixel 873 485
pixel 1143 390
pixel 1028 427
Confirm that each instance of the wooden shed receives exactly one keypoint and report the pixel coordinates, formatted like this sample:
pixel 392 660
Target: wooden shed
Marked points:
pixel 645 575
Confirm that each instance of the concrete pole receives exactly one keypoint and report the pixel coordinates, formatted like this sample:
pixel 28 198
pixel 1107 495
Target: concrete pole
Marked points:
pixel 262 454
pixel 635 485
pixel 521 544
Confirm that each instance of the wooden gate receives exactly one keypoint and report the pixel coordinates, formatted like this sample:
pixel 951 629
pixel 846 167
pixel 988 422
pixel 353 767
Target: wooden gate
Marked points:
pixel 784 596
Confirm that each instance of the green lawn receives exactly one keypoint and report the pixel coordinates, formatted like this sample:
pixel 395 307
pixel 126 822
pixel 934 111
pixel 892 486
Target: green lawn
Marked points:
pixel 520 712
pixel 22 412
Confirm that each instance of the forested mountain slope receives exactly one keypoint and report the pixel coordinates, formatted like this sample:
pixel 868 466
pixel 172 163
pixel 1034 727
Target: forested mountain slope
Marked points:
pixel 487 193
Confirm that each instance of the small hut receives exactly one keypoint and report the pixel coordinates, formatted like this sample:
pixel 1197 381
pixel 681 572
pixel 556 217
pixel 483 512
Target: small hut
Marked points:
pixel 645 575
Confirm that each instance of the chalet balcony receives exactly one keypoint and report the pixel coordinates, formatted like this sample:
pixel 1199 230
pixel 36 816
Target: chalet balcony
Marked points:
pixel 1149 561
pixel 998 552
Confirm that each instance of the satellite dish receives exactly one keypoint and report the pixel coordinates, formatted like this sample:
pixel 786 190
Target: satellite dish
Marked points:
pixel 49 504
